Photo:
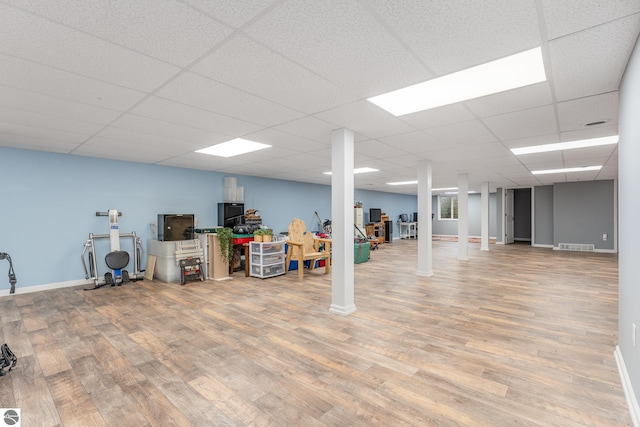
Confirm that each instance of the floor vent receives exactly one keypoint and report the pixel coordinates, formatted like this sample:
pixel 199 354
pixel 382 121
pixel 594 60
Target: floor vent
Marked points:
pixel 576 247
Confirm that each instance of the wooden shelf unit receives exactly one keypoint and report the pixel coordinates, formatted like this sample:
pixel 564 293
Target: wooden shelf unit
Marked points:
pixel 377 229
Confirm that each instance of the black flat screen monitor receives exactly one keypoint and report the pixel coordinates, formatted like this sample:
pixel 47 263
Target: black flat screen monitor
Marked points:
pixel 375 215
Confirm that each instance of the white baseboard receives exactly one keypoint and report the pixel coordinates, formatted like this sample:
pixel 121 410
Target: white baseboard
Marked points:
pixel 632 402
pixel 543 246
pixel 45 287
pixel 342 310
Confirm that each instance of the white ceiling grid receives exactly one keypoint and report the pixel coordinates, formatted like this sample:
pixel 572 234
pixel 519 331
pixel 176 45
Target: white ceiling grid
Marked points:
pixel 153 80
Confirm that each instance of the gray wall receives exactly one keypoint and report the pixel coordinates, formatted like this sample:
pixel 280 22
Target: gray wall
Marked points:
pixel 522 214
pixel 583 212
pixel 543 215
pixel 450 227
pixel 629 203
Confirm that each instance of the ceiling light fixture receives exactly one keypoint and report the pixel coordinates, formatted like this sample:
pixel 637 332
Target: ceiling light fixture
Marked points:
pixel 402 183
pixel 583 143
pixel 512 72
pixel 567 170
pixel 358 170
pixel 233 147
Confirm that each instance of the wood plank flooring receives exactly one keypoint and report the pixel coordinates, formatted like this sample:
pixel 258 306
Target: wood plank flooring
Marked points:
pixel 515 336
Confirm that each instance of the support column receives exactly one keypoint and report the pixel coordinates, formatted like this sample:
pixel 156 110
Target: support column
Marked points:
pixel 425 208
pixel 463 217
pixel 484 217
pixel 342 272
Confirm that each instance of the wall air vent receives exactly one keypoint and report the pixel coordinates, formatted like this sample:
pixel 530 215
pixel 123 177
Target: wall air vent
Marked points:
pixel 576 247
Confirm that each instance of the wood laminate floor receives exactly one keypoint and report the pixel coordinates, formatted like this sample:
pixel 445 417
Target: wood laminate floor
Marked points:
pixel 517 336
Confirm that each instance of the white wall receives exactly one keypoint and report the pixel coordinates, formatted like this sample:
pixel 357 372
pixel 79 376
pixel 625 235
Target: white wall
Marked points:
pixel 629 226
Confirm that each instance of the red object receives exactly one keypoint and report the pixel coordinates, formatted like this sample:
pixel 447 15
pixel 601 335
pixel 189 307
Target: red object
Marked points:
pixel 241 240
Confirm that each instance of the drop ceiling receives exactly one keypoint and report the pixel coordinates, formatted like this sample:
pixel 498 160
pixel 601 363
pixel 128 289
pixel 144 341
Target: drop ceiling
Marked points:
pixel 153 81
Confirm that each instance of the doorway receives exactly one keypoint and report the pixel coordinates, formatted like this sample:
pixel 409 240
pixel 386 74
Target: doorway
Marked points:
pixel 517 215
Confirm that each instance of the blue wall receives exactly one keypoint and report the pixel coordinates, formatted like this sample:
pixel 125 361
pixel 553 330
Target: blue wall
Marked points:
pixel 48 203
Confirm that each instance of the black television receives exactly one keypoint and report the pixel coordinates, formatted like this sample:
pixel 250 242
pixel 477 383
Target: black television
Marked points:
pixel 375 215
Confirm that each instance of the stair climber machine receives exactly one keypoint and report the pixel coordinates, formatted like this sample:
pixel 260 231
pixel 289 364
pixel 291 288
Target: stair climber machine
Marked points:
pixel 116 259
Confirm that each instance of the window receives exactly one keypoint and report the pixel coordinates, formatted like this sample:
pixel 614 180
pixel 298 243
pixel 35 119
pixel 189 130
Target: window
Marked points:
pixel 448 207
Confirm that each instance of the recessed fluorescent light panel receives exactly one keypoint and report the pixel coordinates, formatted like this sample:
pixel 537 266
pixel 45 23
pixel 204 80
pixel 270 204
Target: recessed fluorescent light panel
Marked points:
pixel 567 170
pixel 583 143
pixel 235 147
pixel 358 170
pixel 402 183
pixel 512 72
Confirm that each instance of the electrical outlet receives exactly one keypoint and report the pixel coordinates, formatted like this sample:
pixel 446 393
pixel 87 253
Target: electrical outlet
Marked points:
pixel 633 337
pixel 604 237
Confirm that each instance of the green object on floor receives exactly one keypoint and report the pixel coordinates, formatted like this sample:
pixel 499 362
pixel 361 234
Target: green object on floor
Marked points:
pixel 361 252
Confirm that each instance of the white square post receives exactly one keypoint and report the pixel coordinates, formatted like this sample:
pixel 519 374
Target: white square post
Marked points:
pixel 342 196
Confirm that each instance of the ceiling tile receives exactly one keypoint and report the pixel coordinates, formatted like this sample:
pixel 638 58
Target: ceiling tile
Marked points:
pixel 31 131
pixel 439 116
pixel 579 72
pixel 356 54
pixel 173 32
pixel 309 127
pixel 575 114
pixel 523 124
pixel 537 158
pixel 150 140
pixel 473 131
pixel 186 115
pixel 188 137
pixel 198 91
pixel 242 62
pixel 66 49
pixel 570 16
pixel 235 13
pixel 29 142
pixel 46 121
pixel 376 149
pixel 286 141
pixel 365 118
pixel 533 140
pixel 452 35
pixel 590 132
pixel 24 100
pixel 580 154
pixel 33 77
pixel 107 148
pixel 513 100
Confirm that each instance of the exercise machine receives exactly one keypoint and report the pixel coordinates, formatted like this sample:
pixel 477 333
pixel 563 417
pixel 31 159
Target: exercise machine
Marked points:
pixel 116 259
pixel 12 274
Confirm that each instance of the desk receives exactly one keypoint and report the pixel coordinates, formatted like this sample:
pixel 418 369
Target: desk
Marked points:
pixel 408 230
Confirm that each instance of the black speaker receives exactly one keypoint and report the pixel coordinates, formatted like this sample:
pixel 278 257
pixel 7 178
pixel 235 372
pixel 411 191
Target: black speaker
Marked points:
pixel 415 217
pixel 388 231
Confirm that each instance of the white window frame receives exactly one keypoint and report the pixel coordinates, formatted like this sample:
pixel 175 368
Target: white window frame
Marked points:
pixel 451 201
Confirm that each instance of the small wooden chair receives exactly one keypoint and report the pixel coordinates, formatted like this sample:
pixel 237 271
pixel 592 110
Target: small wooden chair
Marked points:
pixel 304 246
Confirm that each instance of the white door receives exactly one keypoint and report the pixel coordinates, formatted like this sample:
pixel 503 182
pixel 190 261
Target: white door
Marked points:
pixel 508 217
